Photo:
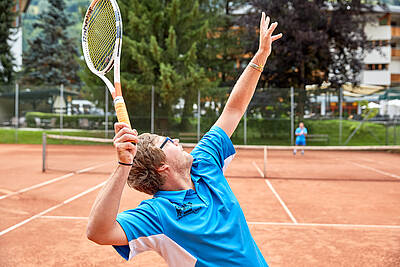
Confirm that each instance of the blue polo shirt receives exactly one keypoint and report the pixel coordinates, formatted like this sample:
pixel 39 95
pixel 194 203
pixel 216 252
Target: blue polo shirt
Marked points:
pixel 302 137
pixel 202 227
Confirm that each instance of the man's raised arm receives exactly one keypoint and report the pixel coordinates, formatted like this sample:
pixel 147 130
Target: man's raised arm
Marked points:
pixel 245 86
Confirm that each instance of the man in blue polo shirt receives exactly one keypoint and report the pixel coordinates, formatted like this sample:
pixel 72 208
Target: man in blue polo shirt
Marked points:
pixel 301 133
pixel 193 219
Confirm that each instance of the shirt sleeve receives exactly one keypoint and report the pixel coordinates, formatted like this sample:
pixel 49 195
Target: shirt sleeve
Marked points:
pixel 139 225
pixel 216 147
pixel 305 131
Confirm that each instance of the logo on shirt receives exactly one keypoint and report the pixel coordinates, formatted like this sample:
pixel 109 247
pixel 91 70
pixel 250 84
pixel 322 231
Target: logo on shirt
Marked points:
pixel 185 209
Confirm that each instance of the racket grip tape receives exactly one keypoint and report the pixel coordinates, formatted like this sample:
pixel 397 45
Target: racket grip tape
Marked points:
pixel 122 113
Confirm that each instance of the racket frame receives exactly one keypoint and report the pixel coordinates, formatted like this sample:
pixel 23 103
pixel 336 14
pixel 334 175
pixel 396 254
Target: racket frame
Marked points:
pixel 115 90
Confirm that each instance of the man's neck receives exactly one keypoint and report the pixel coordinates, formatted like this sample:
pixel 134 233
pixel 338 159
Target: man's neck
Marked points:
pixel 178 181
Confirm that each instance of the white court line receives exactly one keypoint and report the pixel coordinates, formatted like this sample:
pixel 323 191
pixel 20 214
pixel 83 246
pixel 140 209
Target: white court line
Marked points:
pixel 52 208
pixel 52 181
pixel 332 225
pixel 354 226
pixel 376 170
pixel 276 195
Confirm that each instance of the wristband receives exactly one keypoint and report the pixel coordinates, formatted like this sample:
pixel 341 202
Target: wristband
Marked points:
pixel 125 164
pixel 259 68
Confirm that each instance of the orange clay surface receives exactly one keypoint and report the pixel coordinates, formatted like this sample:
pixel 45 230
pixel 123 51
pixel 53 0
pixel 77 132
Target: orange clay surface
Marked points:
pixel 320 209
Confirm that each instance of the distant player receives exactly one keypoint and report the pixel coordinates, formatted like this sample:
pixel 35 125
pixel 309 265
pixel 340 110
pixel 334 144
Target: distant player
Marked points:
pixel 301 133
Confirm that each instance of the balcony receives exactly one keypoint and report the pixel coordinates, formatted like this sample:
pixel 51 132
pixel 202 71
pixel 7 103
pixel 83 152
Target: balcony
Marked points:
pixel 378 32
pixel 375 77
pixel 395 78
pixel 381 55
pixel 395 52
pixel 395 31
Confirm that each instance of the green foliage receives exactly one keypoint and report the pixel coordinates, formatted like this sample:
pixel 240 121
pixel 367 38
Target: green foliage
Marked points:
pixel 52 56
pixel 7 17
pixel 166 44
pixel 69 121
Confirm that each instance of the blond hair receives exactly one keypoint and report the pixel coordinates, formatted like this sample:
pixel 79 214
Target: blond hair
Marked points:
pixel 144 176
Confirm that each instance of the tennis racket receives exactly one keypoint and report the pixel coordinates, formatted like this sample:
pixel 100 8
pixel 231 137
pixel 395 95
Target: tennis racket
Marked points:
pixel 101 43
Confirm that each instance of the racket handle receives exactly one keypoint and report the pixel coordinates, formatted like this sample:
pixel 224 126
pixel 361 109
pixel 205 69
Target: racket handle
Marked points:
pixel 122 113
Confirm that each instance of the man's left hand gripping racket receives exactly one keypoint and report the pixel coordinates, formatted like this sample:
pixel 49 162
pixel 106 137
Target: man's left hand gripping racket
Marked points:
pixel 101 43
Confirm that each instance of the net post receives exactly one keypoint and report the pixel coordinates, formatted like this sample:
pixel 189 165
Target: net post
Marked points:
pixel 265 162
pixel 44 142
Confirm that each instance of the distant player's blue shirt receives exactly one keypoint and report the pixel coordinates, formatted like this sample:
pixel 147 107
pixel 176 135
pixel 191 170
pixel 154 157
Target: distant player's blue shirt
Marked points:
pixel 205 227
pixel 301 139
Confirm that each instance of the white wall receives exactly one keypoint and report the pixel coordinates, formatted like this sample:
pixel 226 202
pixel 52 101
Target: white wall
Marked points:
pixel 394 66
pixel 377 32
pixel 375 77
pixel 380 55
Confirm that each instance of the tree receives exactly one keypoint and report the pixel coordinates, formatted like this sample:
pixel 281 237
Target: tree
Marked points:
pixel 7 18
pixel 163 42
pixel 52 56
pixel 321 41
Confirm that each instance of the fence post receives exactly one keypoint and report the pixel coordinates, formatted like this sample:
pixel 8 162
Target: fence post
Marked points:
pixel 198 115
pixel 16 111
pixel 292 115
pixel 44 142
pixel 152 110
pixel 62 107
pixel 245 128
pixel 340 114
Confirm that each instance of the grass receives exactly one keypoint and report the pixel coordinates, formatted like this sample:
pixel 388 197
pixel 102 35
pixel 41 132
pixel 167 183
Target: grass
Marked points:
pixel 33 136
pixel 368 134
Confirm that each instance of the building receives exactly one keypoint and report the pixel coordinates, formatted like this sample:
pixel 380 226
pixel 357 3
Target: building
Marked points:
pixel 16 45
pixel 382 63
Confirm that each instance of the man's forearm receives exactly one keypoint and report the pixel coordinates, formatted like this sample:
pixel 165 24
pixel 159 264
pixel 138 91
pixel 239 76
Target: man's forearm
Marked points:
pixel 241 95
pixel 244 88
pixel 105 208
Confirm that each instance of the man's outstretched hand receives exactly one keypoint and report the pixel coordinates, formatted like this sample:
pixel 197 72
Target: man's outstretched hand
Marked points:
pixel 266 37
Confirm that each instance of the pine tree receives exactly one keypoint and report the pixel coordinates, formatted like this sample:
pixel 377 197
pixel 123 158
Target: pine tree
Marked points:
pixel 52 56
pixel 163 45
pixel 7 17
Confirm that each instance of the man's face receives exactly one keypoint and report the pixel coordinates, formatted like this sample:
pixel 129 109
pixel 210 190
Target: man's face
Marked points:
pixel 175 156
pixel 301 125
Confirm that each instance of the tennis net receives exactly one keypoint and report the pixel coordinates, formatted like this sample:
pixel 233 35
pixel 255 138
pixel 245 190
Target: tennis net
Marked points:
pixel 339 163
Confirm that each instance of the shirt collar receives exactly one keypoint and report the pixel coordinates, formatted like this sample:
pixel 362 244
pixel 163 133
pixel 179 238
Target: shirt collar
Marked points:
pixel 177 197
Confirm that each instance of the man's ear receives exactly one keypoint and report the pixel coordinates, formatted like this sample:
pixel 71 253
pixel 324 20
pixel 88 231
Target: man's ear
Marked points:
pixel 164 167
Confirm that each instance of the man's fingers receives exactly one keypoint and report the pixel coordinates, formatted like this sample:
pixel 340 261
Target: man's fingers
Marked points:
pixel 124 131
pixel 272 28
pixel 267 20
pixel 262 21
pixel 276 37
pixel 119 125
pixel 126 138
pixel 126 146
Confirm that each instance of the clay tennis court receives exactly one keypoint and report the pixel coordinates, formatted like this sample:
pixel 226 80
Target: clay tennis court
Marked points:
pixel 320 209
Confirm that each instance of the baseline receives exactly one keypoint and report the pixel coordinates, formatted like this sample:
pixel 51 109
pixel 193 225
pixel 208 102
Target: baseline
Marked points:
pixel 52 208
pixel 52 181
pixel 334 225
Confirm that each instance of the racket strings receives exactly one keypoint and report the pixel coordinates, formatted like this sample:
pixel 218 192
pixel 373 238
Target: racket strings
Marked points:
pixel 101 34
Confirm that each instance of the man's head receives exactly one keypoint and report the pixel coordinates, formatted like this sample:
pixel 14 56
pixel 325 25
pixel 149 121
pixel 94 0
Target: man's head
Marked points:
pixel 155 155
pixel 301 125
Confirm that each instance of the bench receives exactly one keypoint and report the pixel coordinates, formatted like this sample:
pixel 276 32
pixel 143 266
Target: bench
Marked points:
pixel 318 138
pixel 189 136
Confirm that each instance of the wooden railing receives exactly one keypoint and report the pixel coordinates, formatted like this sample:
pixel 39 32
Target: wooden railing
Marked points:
pixel 395 78
pixel 395 52
pixel 395 31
